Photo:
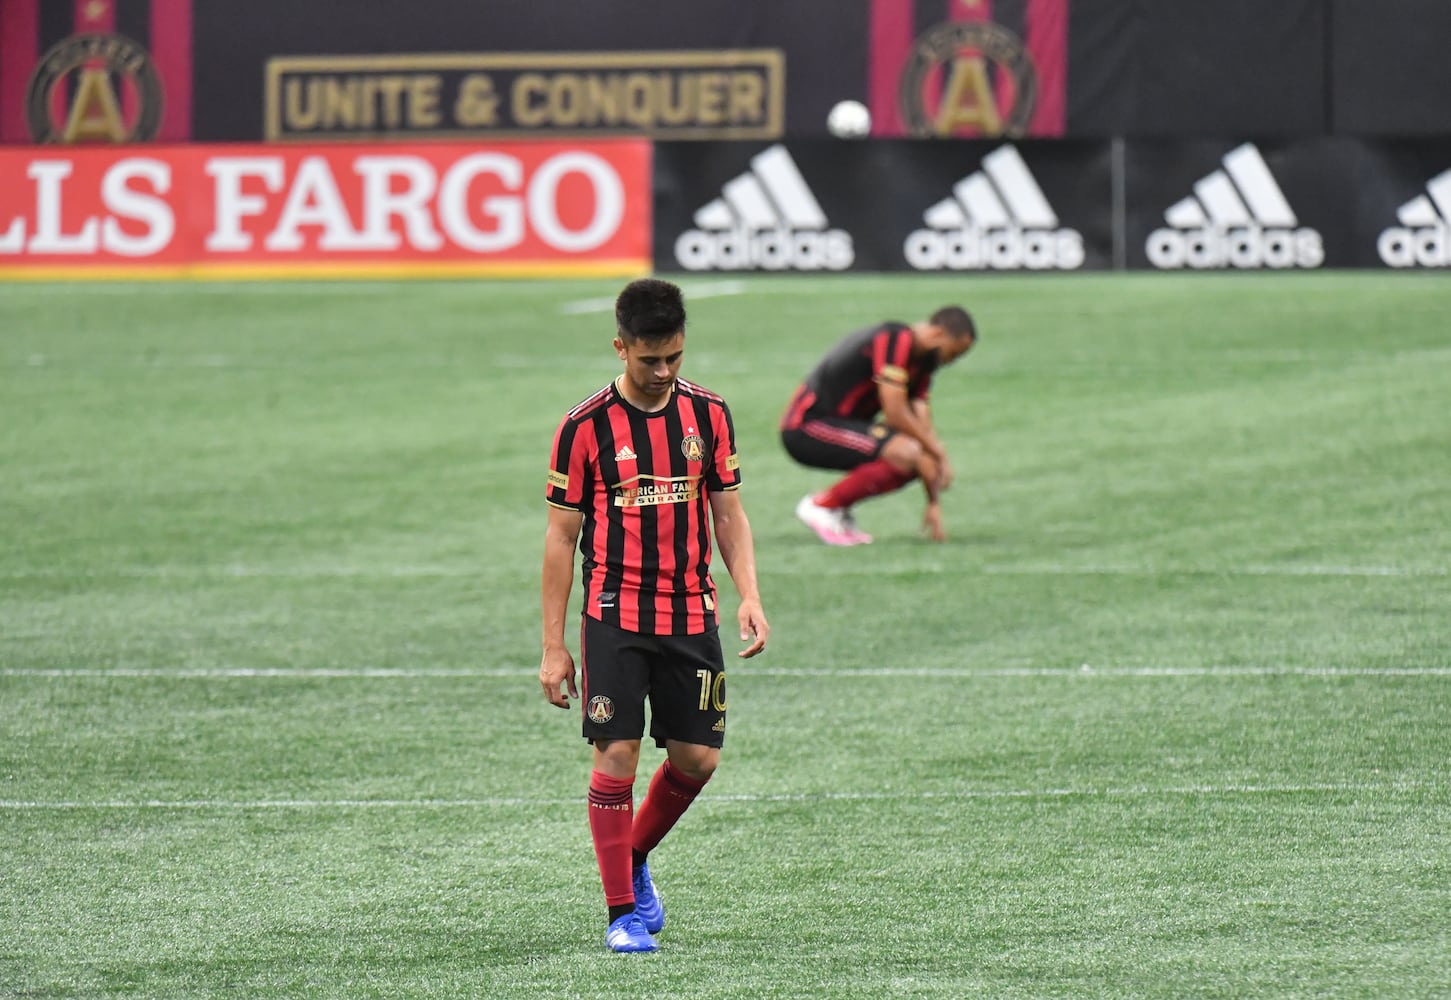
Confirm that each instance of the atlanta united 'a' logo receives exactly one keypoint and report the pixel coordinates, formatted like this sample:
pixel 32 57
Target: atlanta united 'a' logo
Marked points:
pixel 968 78
pixel 601 709
pixel 94 88
pixel 693 447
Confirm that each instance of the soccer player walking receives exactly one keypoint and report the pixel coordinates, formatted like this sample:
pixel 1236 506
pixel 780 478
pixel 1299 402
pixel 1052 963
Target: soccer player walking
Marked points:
pixel 636 467
pixel 864 409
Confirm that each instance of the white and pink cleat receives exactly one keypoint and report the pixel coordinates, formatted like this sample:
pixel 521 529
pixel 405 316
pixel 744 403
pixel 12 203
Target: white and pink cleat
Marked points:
pixel 833 525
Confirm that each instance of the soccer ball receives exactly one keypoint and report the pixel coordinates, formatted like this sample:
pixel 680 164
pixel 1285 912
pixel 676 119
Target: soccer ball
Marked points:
pixel 849 120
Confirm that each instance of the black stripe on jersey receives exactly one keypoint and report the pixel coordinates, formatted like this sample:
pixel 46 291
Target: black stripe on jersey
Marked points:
pixel 614 533
pixel 706 429
pixel 679 469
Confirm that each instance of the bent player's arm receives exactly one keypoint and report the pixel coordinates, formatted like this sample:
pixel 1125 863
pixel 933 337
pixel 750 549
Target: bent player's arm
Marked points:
pixel 738 551
pixel 560 537
pixel 903 415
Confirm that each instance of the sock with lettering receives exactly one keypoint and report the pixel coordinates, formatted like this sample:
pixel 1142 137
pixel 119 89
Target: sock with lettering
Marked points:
pixel 611 814
pixel 670 794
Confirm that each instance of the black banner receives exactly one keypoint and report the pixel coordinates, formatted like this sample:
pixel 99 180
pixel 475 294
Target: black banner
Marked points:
pixel 819 206
pixel 1391 68
pixel 823 206
pixel 1287 206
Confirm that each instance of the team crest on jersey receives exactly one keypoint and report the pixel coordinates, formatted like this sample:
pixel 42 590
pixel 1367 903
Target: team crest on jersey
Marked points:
pixel 693 447
pixel 601 709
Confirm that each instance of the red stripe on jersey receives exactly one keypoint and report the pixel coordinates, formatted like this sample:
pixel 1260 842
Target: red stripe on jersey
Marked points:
pixel 697 390
pixel 628 526
pixel 800 403
pixel 830 434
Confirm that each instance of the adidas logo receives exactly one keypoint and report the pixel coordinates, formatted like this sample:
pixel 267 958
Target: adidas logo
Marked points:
pixel 765 219
pixel 1237 217
pixel 997 219
pixel 719 726
pixel 625 455
pixel 1423 237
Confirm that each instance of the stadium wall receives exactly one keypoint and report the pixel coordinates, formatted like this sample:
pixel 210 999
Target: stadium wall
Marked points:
pixel 1084 135
pixel 173 70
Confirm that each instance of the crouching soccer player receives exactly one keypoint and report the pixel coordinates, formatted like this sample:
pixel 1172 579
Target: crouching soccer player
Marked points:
pixel 864 409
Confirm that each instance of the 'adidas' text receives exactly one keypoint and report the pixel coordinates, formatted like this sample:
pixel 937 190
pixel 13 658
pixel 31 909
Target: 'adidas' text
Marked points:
pixel 1238 217
pixel 1423 239
pixel 997 219
pixel 766 219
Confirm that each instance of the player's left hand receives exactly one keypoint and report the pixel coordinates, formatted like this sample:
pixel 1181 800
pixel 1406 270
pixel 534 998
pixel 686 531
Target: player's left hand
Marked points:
pixel 754 628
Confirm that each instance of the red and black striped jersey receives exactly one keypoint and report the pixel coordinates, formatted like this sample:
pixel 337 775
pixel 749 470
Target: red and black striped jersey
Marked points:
pixel 642 481
pixel 844 383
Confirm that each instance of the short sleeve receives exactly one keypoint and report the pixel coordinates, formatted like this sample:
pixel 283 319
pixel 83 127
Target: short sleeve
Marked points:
pixel 568 468
pixel 725 466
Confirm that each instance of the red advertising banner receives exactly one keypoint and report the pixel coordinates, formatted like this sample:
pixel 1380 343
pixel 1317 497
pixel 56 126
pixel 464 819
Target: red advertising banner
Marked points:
pixel 505 209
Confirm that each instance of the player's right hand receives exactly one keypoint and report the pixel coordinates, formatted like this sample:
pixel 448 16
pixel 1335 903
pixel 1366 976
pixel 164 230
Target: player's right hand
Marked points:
pixel 932 523
pixel 556 675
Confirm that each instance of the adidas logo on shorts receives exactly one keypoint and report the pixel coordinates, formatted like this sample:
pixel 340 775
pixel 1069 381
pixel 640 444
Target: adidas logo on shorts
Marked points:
pixel 1423 238
pixel 1237 217
pixel 997 219
pixel 765 219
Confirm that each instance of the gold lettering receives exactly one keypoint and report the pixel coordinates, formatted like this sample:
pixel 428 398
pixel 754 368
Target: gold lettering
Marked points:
pixel 423 97
pixel 676 98
pixel 300 104
pixel 531 100
pixel 477 105
pixel 565 99
pixel 95 113
pixel 968 100
pixel 602 97
pixel 710 89
pixel 339 103
pixel 639 102
pixel 748 98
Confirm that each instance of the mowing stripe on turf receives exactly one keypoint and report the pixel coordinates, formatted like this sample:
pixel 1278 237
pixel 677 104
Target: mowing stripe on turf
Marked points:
pixel 519 673
pixel 874 570
pixel 1142 791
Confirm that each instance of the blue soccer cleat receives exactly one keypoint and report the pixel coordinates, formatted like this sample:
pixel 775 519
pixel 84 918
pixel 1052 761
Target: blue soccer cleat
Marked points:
pixel 647 900
pixel 628 933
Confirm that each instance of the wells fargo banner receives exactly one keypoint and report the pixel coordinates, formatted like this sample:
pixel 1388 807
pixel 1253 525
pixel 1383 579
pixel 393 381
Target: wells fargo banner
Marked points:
pixel 95 71
pixel 968 68
pixel 537 208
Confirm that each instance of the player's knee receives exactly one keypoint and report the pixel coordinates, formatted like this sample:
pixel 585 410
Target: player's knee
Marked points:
pixel 903 453
pixel 698 762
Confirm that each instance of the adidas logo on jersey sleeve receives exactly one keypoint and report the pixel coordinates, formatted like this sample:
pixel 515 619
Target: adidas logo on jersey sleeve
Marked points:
pixel 765 219
pixel 1423 238
pixel 1237 217
pixel 997 218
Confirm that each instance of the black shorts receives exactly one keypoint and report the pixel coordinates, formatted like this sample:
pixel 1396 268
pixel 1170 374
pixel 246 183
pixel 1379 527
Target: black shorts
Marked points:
pixel 835 442
pixel 682 677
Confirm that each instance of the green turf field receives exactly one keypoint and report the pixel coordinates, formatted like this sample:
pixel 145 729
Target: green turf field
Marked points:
pixel 1166 717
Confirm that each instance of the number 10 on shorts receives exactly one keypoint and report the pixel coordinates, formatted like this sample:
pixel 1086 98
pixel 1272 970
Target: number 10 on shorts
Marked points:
pixel 712 692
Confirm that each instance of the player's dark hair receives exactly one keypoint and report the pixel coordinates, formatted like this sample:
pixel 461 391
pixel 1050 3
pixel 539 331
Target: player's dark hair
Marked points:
pixel 956 321
pixel 649 309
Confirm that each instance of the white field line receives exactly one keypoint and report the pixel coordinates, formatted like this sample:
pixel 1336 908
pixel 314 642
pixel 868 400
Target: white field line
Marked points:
pixel 925 673
pixel 444 571
pixel 705 291
pixel 966 794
